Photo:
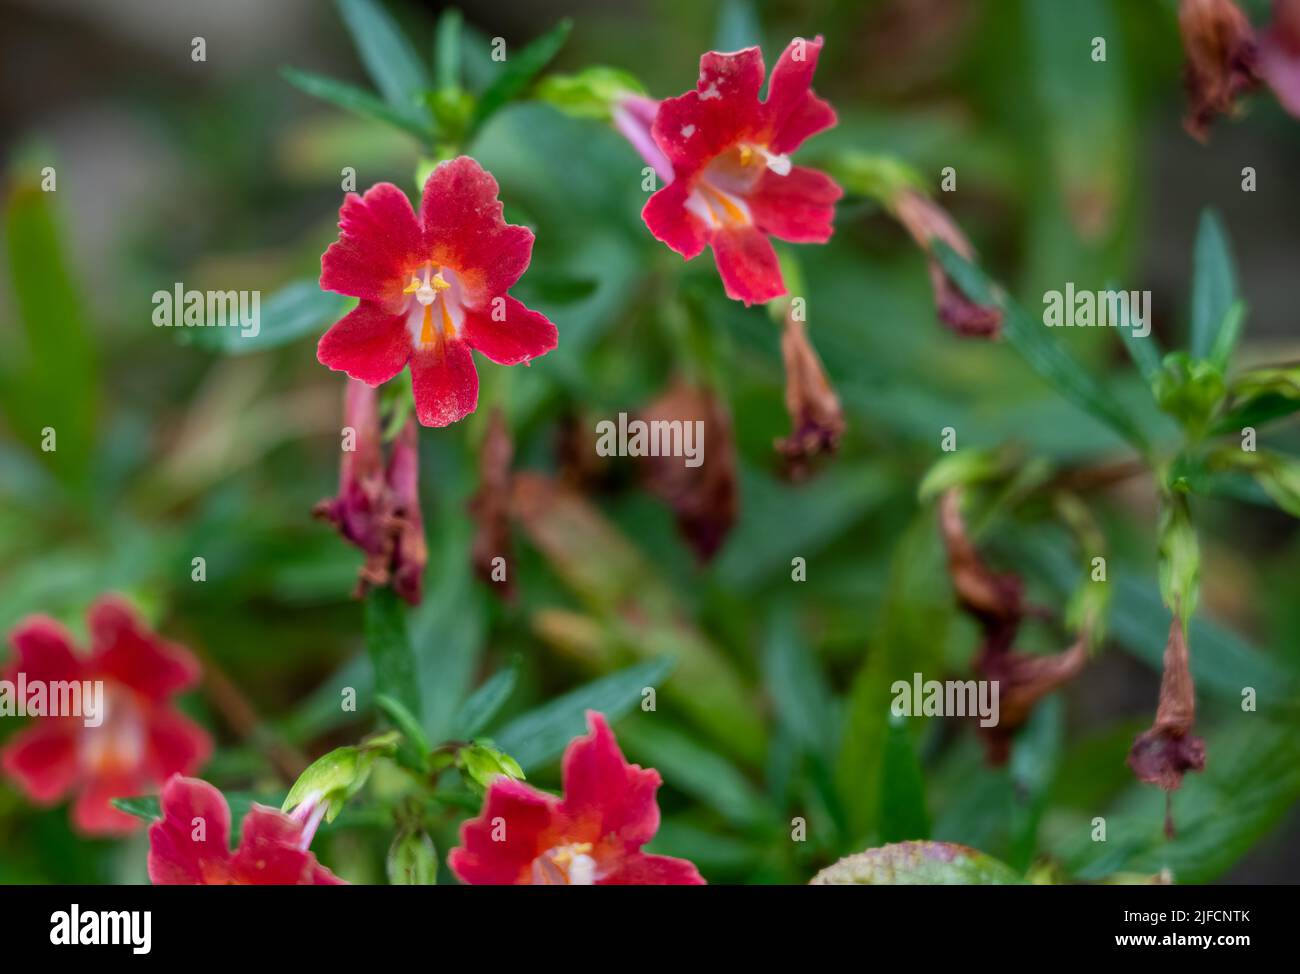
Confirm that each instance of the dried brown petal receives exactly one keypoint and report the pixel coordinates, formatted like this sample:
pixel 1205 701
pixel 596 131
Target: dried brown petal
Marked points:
pixel 1222 59
pixel 815 415
pixel 490 505
pixel 995 599
pixel 1024 679
pixel 926 221
pixel 704 497
pixel 1163 754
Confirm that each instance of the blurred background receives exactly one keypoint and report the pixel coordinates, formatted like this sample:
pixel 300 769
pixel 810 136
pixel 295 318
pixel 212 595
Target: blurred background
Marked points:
pixel 175 444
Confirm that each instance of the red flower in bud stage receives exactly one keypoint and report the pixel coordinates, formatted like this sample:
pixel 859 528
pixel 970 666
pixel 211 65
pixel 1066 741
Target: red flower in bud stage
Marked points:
pixel 140 738
pixel 377 508
pixel 1279 54
pixel 733 183
pixel 190 845
pixel 432 288
pixel 593 835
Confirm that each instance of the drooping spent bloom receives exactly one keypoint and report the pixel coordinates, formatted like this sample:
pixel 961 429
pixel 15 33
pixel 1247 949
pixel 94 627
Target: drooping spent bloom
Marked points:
pixel 190 844
pixel 733 184
pixel 996 602
pixel 1162 755
pixel 1222 60
pixel 433 288
pixel 591 836
pixel 378 507
pixel 136 740
pixel 927 222
pixel 816 419
pixel 490 507
pixel 700 486
pixel 1279 54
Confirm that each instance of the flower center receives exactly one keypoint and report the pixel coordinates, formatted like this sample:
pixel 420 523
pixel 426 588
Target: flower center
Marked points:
pixel 565 865
pixel 434 311
pixel 117 744
pixel 719 194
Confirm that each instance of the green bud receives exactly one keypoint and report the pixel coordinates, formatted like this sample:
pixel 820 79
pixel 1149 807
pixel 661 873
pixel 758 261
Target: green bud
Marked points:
pixel 1180 555
pixel 1188 389
pixel 412 859
pixel 592 93
pixel 879 177
pixel 483 762
pixel 338 775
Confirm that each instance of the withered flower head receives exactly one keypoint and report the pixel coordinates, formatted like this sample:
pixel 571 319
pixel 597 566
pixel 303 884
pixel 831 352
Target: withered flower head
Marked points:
pixel 996 602
pixel 927 221
pixel 703 496
pixel 378 509
pixel 1163 754
pixel 816 418
pixel 490 505
pixel 1279 54
pixel 1222 60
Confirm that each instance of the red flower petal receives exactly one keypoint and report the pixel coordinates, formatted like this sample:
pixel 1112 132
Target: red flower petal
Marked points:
pixel 461 218
pixel 42 759
pixel 445 383
pixel 524 820
pixel 176 744
pixel 794 112
pixel 522 335
pixel 379 244
pixel 125 651
pixel 797 207
pixel 695 127
pixel 604 795
pixel 177 857
pixel 93 812
pixel 43 651
pixel 367 343
pixel 643 869
pixel 748 265
pixel 667 218
pixel 268 853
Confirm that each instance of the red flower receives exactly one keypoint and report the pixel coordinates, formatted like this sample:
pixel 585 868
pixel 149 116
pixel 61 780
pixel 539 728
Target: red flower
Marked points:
pixel 734 184
pixel 377 507
pixel 1279 54
pixel 190 845
pixel 593 835
pixel 431 289
pixel 138 739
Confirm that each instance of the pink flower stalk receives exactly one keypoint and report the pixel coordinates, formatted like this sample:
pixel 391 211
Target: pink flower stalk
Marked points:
pixel 733 185
pixel 433 288
pixel 591 836
pixel 140 738
pixel 190 845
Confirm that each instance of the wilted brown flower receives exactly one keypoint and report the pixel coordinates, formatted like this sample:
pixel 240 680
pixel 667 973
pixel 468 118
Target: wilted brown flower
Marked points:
pixel 1222 59
pixel 996 601
pixel 378 509
pixel 1163 754
pixel 815 416
pixel 704 497
pixel 927 221
pixel 490 505
pixel 1279 54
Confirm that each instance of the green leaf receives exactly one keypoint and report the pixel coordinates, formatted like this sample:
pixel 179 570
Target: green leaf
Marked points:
pixel 390 60
pixel 695 770
pixel 903 816
pixel 359 102
pixel 802 698
pixel 405 722
pixel 541 735
pixel 1046 355
pixel 918 864
pixel 1225 342
pixel 143 807
pixel 482 705
pixel 390 649
pixel 519 71
pixel 1214 285
pixel 738 26
pixel 446 48
pixel 295 311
